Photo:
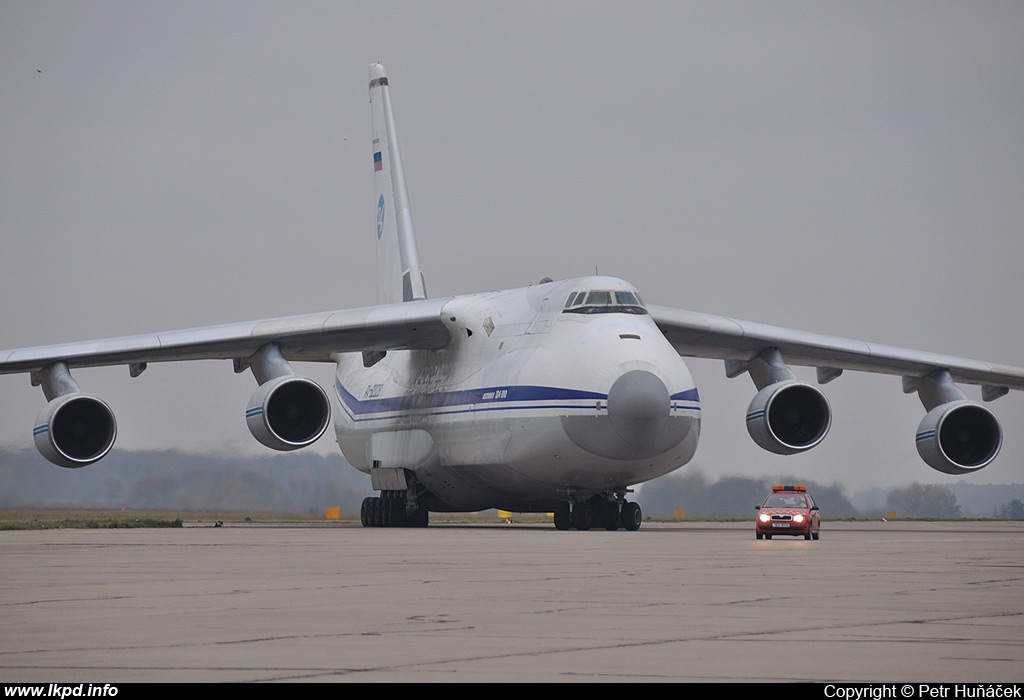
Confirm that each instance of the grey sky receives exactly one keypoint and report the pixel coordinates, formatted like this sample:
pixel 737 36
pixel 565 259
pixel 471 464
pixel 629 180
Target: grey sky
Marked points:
pixel 847 168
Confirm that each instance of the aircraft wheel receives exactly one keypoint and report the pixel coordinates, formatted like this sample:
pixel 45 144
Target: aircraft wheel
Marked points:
pixel 562 521
pixel 610 516
pixel 632 516
pixel 365 510
pixel 420 518
pixel 396 512
pixel 583 516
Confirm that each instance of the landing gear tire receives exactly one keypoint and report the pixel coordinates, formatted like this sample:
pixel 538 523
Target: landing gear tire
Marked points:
pixel 583 516
pixel 389 511
pixel 609 515
pixel 395 512
pixel 562 519
pixel 421 518
pixel 632 516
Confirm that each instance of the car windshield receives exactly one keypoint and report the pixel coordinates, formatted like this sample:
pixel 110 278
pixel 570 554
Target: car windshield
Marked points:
pixel 788 500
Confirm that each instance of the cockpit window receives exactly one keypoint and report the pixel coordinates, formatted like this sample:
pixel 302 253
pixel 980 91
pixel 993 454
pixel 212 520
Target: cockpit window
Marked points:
pixel 601 301
pixel 627 299
pixel 599 298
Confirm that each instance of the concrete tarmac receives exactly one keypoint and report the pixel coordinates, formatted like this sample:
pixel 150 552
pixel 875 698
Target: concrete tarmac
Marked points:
pixel 914 602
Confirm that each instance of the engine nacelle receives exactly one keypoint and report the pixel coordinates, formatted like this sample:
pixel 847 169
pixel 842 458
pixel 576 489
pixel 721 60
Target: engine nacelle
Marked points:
pixel 288 412
pixel 789 417
pixel 959 437
pixel 75 430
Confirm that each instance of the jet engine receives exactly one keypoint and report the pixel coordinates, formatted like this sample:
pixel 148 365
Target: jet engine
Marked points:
pixel 788 417
pixel 75 430
pixel 959 437
pixel 288 412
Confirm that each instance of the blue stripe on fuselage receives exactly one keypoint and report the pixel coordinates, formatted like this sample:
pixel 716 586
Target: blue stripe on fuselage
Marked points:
pixel 485 399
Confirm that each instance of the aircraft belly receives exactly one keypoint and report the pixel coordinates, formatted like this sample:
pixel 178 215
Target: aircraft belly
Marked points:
pixel 564 464
pixel 538 464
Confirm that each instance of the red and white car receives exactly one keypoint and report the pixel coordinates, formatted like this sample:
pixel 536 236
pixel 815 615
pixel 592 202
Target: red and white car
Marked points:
pixel 788 510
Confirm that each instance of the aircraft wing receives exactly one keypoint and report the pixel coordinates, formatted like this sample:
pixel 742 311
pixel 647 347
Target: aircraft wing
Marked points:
pixel 310 337
pixel 695 334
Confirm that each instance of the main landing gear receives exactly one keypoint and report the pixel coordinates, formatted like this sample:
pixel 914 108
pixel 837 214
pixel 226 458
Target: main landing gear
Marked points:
pixel 392 509
pixel 598 512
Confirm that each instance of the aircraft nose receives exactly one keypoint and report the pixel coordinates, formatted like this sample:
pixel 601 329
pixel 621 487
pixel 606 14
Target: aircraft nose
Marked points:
pixel 636 423
pixel 638 407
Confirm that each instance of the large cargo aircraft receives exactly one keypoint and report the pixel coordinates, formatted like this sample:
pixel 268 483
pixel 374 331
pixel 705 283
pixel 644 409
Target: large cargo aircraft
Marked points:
pixel 555 397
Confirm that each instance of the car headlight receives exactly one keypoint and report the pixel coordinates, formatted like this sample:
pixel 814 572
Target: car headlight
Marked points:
pixel 798 518
pixel 764 517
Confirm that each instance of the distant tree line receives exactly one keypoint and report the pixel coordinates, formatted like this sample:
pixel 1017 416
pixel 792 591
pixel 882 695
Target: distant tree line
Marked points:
pixel 170 480
pixel 924 501
pixel 1011 510
pixel 732 496
pixel 310 483
pixel 736 496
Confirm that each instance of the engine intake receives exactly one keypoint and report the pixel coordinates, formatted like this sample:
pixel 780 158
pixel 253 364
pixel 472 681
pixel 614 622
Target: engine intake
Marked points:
pixel 288 412
pixel 75 430
pixel 788 417
pixel 959 437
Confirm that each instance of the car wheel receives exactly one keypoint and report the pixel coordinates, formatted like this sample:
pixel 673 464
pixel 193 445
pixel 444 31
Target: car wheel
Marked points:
pixel 758 535
pixel 808 535
pixel 767 537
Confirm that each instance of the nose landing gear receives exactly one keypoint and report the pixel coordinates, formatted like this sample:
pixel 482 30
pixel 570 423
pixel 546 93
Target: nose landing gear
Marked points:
pixel 391 509
pixel 609 513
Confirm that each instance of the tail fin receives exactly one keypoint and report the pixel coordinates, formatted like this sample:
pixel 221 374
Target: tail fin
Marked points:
pixel 399 276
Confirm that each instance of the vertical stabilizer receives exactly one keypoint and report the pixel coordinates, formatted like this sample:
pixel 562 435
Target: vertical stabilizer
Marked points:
pixel 399 276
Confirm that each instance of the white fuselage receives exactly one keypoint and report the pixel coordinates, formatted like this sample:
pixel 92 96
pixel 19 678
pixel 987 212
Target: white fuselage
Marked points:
pixel 529 404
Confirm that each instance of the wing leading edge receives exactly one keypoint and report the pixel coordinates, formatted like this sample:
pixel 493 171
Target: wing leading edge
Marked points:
pixel 695 334
pixel 310 337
